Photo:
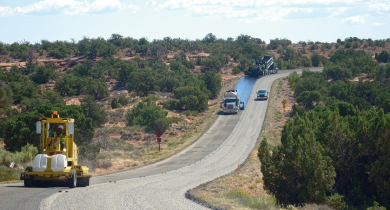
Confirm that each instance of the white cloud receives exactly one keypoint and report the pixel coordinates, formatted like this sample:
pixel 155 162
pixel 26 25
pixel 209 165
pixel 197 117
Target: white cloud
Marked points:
pixel 355 20
pixel 151 2
pixel 257 10
pixel 69 7
pixel 378 24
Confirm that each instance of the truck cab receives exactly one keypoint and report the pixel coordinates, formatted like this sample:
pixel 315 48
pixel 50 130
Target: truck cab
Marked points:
pixel 231 103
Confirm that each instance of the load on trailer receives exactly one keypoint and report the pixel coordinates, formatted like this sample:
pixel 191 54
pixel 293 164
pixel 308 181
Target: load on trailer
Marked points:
pixel 59 158
pixel 263 67
pixel 231 103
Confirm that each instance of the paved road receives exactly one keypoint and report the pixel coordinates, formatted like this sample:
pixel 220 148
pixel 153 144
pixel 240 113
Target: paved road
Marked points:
pixel 227 143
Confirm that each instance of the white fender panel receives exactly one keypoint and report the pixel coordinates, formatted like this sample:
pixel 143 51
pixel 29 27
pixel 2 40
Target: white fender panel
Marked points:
pixel 40 163
pixel 58 163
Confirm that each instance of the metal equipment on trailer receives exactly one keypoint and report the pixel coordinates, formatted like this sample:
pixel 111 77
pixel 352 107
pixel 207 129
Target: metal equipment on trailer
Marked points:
pixel 59 158
pixel 263 67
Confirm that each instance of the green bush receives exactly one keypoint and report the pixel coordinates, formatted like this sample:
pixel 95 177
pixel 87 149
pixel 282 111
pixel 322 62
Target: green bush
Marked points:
pixel 95 111
pixel 44 74
pixel 259 202
pixel 150 98
pixel 150 115
pixel 236 70
pixel 26 155
pixel 171 105
pixel 256 202
pixel 114 103
pixel 8 174
pixel 96 89
pixel 191 113
pixel 236 193
pixel 336 202
pixel 123 100
pixel 376 207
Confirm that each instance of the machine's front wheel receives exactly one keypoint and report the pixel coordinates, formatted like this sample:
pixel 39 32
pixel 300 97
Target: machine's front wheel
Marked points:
pixel 28 182
pixel 73 180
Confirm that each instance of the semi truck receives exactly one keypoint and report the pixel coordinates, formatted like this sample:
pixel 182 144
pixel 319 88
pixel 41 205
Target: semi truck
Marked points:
pixel 59 158
pixel 263 66
pixel 231 102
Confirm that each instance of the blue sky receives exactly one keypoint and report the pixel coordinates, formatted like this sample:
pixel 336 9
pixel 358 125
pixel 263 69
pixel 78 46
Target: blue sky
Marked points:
pixel 297 20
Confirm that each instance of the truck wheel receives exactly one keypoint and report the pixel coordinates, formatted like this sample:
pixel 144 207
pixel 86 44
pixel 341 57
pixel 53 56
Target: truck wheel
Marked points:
pixel 73 180
pixel 27 182
pixel 86 182
pixel 83 182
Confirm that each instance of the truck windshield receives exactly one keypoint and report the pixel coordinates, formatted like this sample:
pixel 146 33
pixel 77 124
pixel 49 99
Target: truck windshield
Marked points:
pixel 228 100
pixel 262 91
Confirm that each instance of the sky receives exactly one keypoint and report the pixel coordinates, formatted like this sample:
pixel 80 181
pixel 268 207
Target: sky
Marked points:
pixel 296 20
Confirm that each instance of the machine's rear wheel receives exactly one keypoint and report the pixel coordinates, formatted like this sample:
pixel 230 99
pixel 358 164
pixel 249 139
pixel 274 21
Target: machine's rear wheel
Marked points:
pixel 73 180
pixel 83 182
pixel 86 182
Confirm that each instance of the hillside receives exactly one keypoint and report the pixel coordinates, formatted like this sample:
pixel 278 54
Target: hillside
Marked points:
pixel 107 70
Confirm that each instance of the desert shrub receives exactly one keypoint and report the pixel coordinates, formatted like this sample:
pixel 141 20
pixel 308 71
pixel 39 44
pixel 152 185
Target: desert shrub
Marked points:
pixel 337 72
pixel 255 202
pixel 171 105
pixel 236 70
pixel 150 98
pixel 128 147
pixel 114 103
pixel 236 193
pixel 89 151
pixel 259 202
pixel 149 115
pixel 44 74
pixel 188 113
pixel 105 164
pixel 26 155
pixel 123 100
pixel 376 207
pixel 7 174
pixel 96 89
pixel 93 110
pixel 336 202
pixel 105 142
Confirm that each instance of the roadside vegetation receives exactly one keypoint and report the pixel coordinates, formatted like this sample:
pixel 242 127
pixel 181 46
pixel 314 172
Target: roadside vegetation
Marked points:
pixel 121 90
pixel 333 149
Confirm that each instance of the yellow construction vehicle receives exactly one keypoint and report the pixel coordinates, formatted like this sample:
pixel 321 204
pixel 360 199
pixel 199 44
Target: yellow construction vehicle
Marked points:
pixel 59 158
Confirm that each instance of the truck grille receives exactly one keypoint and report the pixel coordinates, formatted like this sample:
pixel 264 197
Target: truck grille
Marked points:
pixel 230 106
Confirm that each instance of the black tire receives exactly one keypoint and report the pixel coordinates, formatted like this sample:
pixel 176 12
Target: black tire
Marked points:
pixel 73 180
pixel 83 182
pixel 28 182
